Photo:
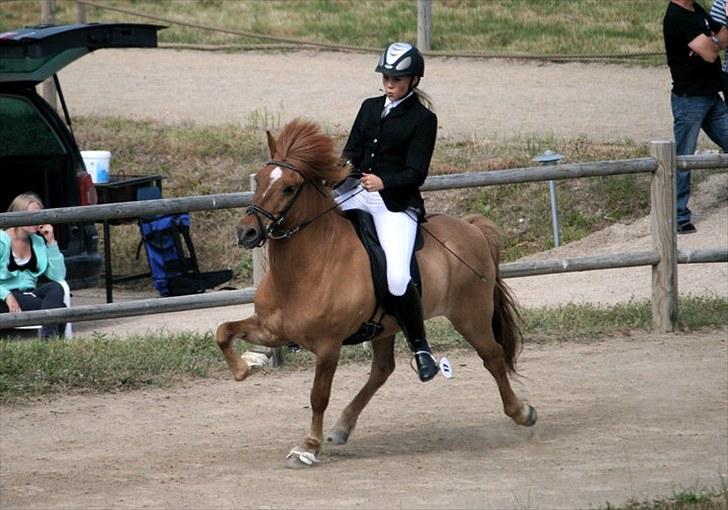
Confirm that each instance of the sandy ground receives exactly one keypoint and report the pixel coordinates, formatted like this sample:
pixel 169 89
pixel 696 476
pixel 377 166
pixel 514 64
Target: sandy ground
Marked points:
pixel 479 98
pixel 628 417
pixel 631 416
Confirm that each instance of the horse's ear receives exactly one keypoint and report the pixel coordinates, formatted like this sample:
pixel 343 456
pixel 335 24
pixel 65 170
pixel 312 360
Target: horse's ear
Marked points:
pixel 271 144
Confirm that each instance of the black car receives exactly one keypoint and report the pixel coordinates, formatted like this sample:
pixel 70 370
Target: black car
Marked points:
pixel 37 149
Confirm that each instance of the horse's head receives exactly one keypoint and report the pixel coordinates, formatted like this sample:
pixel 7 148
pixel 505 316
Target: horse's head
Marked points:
pixel 302 164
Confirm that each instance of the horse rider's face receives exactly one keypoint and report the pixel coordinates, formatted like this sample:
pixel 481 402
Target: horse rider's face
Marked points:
pixel 396 87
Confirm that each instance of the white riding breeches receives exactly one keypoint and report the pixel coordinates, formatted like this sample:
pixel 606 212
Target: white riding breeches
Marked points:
pixel 396 232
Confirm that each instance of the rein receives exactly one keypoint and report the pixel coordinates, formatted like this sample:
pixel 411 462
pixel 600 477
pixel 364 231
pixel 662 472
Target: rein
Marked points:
pixel 272 231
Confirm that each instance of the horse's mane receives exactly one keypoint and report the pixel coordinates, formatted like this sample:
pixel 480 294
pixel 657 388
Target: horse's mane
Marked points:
pixel 304 144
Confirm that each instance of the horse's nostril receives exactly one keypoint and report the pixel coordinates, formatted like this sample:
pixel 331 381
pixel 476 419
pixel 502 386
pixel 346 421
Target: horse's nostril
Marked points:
pixel 247 236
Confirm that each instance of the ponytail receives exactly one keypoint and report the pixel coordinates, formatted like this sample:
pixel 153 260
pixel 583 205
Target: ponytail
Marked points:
pixel 424 98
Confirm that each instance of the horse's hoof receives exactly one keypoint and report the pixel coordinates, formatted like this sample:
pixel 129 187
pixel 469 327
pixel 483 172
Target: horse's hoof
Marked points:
pixel 299 458
pixel 337 437
pixel 532 417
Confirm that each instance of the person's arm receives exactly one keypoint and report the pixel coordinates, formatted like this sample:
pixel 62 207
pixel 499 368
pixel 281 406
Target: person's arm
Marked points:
pixel 5 293
pixel 722 38
pixel 56 266
pixel 419 154
pixel 706 47
pixel 56 269
pixel 354 148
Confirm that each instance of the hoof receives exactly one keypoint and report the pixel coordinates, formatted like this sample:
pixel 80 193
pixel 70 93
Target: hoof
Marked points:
pixel 241 373
pixel 299 458
pixel 532 417
pixel 337 437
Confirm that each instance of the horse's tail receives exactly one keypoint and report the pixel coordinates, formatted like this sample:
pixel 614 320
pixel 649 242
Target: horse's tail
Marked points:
pixel 507 320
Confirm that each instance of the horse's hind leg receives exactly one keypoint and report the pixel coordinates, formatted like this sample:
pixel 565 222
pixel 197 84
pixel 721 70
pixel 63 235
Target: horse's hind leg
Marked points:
pixel 479 333
pixel 382 368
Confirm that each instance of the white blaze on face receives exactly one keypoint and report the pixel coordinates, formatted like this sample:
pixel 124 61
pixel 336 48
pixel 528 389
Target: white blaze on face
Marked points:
pixel 276 174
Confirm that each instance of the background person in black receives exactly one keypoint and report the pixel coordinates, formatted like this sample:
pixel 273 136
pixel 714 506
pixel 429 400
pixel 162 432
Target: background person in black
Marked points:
pixel 391 142
pixel 692 42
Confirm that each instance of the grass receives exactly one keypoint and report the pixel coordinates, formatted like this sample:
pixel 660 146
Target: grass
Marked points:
pixel 507 26
pixel 683 499
pixel 101 363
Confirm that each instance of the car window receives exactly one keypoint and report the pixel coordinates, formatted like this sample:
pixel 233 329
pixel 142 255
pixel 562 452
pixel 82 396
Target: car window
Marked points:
pixel 24 131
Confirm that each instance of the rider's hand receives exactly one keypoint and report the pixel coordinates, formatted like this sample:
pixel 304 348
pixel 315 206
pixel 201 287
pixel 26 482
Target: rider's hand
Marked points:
pixel 371 182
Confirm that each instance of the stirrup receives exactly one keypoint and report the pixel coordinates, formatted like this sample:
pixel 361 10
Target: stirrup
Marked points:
pixel 444 364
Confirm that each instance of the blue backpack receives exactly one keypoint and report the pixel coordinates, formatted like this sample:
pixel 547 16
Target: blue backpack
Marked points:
pixel 173 263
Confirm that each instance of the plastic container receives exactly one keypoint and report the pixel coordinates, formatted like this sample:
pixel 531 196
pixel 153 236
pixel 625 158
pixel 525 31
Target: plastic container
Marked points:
pixel 98 165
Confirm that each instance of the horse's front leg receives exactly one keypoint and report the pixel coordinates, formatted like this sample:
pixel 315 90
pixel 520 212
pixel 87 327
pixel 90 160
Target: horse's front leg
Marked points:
pixel 250 330
pixel 382 368
pixel 326 362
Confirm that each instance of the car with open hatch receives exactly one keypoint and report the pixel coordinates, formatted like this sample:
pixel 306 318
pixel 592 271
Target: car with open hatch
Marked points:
pixel 38 151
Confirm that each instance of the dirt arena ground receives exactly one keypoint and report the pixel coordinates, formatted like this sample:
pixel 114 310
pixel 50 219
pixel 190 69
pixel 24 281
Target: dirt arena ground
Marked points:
pixel 626 417
pixel 629 416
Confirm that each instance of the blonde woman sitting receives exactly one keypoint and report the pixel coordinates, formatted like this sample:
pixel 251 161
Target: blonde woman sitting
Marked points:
pixel 26 254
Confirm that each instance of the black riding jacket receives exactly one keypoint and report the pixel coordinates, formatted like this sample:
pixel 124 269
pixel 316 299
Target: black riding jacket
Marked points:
pixel 396 148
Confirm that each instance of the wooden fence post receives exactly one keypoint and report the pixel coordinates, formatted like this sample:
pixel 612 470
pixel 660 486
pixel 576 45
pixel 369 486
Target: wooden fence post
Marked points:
pixel 424 25
pixel 81 12
pixel 260 266
pixel 664 237
pixel 48 17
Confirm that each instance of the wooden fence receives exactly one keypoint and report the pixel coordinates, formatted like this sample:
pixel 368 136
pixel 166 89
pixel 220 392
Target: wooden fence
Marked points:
pixel 663 257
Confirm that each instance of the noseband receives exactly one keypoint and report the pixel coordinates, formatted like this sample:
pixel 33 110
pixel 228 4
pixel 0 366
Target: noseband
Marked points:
pixel 273 231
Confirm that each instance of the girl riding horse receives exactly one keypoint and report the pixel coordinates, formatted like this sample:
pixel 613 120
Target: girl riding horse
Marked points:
pixel 391 143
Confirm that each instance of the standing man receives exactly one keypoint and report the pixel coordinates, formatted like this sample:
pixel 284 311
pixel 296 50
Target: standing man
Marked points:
pixel 719 13
pixel 692 43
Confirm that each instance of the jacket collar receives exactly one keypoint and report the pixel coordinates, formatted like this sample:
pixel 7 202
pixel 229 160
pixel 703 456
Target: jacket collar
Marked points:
pixel 402 107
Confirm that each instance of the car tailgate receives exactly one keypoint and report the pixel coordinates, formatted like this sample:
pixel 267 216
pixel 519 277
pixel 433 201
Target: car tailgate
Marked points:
pixel 34 54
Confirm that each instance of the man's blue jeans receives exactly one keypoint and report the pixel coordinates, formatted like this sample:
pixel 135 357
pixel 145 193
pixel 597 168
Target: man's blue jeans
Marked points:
pixel 690 114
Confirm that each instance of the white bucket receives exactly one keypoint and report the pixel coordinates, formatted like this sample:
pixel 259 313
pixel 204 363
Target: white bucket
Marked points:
pixel 97 165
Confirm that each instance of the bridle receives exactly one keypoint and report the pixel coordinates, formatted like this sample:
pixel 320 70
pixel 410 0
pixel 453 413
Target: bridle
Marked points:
pixel 274 230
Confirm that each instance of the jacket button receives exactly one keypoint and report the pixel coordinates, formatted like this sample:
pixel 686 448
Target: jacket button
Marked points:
pixel 375 140
pixel 372 154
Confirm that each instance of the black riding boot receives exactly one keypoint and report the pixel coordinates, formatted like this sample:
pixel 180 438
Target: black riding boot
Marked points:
pixel 407 309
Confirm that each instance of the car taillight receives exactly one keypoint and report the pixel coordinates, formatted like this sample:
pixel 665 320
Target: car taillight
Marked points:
pixel 86 189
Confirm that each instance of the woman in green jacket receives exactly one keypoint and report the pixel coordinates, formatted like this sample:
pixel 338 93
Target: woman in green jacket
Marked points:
pixel 26 254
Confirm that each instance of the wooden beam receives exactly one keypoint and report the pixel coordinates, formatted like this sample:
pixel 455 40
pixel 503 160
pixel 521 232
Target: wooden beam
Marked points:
pixel 663 226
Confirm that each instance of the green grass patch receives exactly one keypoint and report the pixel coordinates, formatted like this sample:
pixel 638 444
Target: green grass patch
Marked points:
pixel 544 27
pixel 683 499
pixel 103 364
pixel 108 364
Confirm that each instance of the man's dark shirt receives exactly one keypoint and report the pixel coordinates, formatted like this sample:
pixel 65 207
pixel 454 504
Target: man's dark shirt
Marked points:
pixel 691 75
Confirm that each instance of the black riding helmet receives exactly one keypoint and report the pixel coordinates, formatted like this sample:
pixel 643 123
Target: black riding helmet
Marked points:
pixel 401 59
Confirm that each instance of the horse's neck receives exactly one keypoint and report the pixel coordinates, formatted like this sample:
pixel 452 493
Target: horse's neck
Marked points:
pixel 312 248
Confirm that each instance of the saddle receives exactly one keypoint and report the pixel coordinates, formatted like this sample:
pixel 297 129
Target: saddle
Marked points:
pixel 365 229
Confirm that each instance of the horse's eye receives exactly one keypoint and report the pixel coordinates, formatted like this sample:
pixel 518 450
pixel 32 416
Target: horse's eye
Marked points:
pixel 289 190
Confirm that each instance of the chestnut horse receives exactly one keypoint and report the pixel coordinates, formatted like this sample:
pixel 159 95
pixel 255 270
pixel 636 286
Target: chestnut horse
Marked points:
pixel 318 289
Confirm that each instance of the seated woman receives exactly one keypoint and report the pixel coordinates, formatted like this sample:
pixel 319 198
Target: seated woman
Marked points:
pixel 27 253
